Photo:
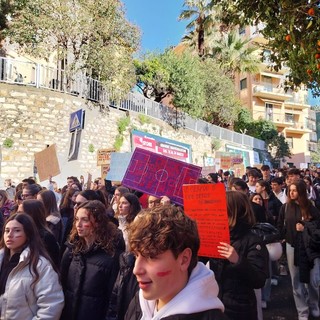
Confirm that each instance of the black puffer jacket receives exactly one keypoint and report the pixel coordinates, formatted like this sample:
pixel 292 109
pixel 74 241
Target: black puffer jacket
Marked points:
pixel 238 281
pixel 289 216
pixel 274 206
pixel 87 280
pixel 124 289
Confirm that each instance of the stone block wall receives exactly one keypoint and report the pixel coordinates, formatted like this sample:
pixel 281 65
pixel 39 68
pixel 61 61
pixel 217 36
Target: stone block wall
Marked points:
pixel 35 118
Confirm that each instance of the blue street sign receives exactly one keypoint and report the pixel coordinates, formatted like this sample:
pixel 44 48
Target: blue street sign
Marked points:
pixel 76 120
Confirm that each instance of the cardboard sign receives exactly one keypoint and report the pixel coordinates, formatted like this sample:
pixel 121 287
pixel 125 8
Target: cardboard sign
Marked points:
pixel 47 163
pixel 104 156
pixel 159 175
pixel 239 170
pixel 206 170
pixel 225 162
pixel 118 165
pixel 207 205
pixel 104 171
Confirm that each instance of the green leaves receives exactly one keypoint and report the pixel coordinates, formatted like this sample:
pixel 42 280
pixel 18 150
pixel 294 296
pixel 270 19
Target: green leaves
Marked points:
pixel 92 37
pixel 300 19
pixel 198 87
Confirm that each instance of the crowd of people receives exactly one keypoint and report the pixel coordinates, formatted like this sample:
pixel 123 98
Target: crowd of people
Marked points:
pixel 100 250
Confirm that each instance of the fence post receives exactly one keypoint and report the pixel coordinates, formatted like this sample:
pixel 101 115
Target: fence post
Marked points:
pixel 38 75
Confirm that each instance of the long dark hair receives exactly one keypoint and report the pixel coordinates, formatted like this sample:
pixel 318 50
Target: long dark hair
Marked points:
pixel 36 210
pixel 50 203
pixel 34 243
pixel 67 201
pixel 94 195
pixel 135 206
pixel 106 232
pixel 239 210
pixel 304 203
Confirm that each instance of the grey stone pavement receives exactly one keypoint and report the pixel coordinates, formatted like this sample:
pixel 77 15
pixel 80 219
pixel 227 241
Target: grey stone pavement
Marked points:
pixel 281 306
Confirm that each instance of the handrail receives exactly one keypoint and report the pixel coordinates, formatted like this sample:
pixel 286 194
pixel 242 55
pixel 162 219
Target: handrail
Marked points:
pixel 37 75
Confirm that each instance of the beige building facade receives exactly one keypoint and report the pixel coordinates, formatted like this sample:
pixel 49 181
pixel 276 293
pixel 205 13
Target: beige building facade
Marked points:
pixel 264 95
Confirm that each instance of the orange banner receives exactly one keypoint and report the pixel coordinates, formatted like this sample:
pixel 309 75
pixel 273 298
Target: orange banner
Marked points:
pixel 206 204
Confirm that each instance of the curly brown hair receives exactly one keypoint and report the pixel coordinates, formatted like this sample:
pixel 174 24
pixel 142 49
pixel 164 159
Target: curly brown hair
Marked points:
pixel 106 232
pixel 164 228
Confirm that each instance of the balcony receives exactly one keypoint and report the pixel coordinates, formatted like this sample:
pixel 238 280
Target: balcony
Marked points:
pixel 296 127
pixel 270 92
pixel 312 146
pixel 298 101
pixel 289 123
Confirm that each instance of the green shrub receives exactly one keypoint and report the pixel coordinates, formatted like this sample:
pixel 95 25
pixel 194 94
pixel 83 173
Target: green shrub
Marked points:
pixel 8 143
pixel 123 123
pixel 118 142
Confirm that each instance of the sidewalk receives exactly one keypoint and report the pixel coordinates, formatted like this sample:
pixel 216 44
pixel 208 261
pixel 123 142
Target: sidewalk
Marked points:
pixel 281 306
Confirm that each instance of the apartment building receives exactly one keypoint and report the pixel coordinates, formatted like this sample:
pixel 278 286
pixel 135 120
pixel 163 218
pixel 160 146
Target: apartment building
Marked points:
pixel 264 95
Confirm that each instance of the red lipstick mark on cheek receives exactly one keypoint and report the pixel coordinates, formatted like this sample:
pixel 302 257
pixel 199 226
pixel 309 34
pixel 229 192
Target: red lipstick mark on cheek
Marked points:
pixel 163 274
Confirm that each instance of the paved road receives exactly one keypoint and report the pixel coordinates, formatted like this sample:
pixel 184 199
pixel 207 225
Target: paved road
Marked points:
pixel 281 306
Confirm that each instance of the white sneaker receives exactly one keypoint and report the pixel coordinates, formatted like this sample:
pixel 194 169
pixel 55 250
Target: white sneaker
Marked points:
pixel 263 304
pixel 274 282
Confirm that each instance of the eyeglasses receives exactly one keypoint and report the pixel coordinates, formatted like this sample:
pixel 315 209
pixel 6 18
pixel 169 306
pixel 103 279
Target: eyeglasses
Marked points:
pixel 23 196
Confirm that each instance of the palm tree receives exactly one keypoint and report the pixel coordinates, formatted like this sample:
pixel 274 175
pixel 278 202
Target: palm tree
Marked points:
pixel 235 54
pixel 200 11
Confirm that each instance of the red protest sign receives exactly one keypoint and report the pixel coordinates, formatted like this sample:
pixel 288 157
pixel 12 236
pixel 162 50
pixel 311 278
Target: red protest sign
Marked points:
pixel 206 204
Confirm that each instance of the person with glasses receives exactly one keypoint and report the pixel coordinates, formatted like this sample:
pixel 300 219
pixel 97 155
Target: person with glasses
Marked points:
pixel 30 191
pixel 90 264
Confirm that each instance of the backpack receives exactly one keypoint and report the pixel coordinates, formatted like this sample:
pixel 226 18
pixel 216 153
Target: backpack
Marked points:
pixel 267 232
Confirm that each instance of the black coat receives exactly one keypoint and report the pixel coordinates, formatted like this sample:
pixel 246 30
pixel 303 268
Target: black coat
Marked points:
pixel 238 281
pixel 124 289
pixel 51 245
pixel 87 280
pixel 274 206
pixel 308 249
pixel 134 313
pixel 289 216
pixel 305 250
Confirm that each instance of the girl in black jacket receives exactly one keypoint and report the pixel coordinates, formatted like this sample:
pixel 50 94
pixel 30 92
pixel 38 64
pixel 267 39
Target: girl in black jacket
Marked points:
pixel 90 264
pixel 298 217
pixel 245 264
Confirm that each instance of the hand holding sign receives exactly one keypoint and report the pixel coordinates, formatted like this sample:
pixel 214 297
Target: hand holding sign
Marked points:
pixel 206 203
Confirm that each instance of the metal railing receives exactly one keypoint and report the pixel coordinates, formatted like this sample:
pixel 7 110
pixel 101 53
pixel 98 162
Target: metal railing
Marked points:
pixel 40 76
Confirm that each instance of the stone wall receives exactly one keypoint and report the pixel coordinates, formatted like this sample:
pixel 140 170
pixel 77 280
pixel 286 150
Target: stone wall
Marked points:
pixel 34 118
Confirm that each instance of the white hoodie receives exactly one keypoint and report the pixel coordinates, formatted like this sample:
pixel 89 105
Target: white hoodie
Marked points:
pixel 202 288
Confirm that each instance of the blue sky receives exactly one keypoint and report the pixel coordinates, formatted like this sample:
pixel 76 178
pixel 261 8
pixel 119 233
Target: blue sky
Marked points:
pixel 158 22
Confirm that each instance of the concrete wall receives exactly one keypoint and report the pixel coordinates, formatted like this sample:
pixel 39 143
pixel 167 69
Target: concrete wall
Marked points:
pixel 34 118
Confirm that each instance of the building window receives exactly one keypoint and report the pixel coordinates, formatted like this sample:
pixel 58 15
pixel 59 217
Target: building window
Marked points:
pixel 267 83
pixel 288 117
pixel 269 111
pixel 243 84
pixel 290 142
pixel 266 56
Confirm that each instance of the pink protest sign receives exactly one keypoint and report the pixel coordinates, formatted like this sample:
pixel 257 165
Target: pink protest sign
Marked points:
pixel 159 175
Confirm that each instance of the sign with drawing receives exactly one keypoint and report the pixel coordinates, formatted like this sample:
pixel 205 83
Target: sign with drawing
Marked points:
pixel 159 175
pixel 76 120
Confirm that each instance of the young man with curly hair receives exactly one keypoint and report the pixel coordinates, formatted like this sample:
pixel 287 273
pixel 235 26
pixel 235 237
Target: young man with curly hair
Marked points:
pixel 173 284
